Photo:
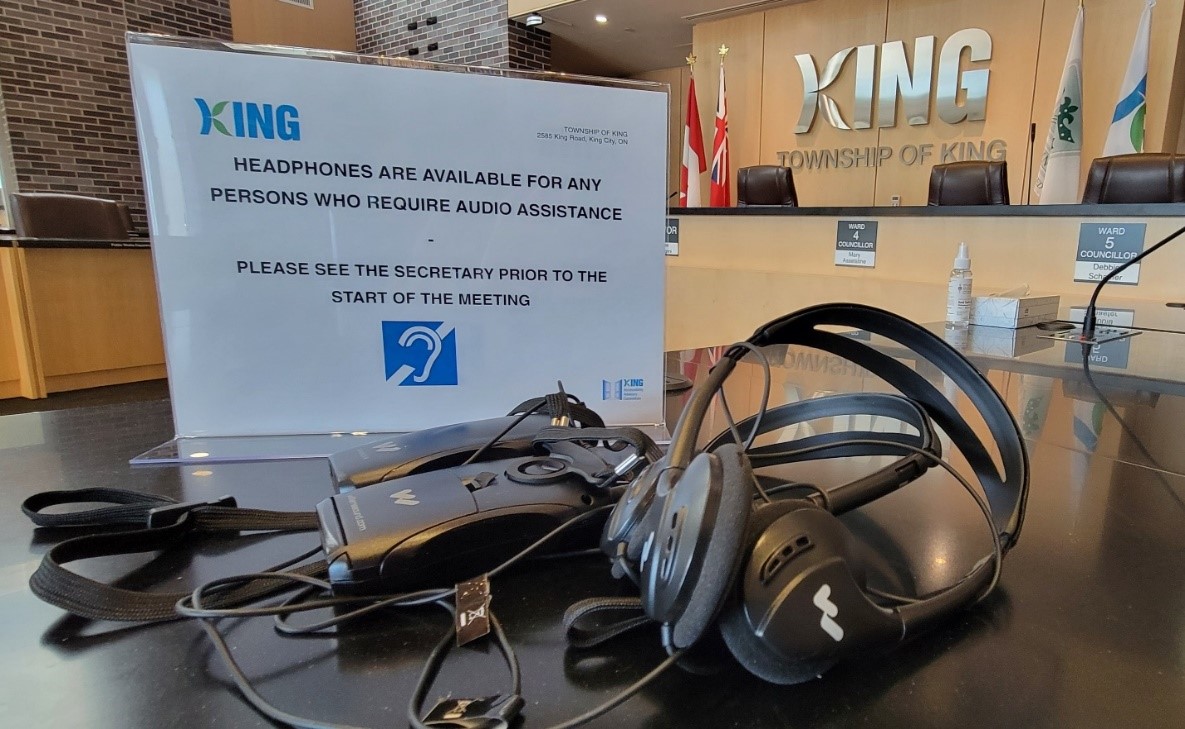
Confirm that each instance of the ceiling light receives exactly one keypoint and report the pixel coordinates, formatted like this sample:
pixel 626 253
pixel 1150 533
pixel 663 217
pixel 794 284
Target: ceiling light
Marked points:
pixel 601 19
pixel 534 19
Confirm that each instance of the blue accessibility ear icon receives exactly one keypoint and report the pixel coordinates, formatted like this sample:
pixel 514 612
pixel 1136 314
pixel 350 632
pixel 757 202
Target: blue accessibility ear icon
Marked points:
pixel 420 353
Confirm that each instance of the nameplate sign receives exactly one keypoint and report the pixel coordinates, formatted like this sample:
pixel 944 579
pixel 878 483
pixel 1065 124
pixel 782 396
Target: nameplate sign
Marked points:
pixel 855 243
pixel 365 246
pixel 1114 354
pixel 672 244
pixel 1103 247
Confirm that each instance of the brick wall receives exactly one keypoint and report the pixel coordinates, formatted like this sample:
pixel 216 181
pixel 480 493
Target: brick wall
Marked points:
pixel 472 32
pixel 530 47
pixel 66 94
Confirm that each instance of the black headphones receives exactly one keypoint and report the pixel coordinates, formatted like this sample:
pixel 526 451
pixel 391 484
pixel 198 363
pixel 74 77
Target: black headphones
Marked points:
pixel 782 579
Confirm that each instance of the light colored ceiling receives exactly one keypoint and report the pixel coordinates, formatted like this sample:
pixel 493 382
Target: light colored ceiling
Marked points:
pixel 641 35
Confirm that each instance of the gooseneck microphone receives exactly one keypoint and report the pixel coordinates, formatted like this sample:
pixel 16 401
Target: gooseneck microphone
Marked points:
pixel 1030 149
pixel 1090 319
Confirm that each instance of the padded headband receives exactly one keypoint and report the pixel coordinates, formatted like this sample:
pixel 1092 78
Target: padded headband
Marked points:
pixel 1006 492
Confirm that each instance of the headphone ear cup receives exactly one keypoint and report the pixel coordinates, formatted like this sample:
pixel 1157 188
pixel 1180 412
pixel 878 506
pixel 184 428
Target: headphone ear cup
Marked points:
pixel 694 552
pixel 750 650
pixel 626 521
pixel 800 601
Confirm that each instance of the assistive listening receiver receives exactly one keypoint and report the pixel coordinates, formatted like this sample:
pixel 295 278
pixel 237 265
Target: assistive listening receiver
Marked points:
pixel 451 524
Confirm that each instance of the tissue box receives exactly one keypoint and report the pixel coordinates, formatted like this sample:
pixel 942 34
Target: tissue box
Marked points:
pixel 1013 312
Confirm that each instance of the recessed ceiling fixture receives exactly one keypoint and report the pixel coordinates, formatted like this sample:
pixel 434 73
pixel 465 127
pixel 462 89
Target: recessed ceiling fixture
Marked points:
pixel 534 19
pixel 601 19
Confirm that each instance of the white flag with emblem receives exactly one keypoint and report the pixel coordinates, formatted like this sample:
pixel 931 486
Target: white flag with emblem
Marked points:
pixel 1061 162
pixel 1126 134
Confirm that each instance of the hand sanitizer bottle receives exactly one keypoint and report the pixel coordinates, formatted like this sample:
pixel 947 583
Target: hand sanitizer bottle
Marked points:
pixel 958 291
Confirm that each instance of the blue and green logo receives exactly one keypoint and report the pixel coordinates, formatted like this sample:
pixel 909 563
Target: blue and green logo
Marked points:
pixel 250 119
pixel 1134 105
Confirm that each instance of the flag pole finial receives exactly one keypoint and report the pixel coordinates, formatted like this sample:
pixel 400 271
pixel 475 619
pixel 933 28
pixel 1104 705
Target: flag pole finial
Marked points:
pixel 723 51
pixel 690 60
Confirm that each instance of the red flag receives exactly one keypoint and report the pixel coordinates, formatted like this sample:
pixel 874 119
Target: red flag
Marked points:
pixel 720 194
pixel 694 161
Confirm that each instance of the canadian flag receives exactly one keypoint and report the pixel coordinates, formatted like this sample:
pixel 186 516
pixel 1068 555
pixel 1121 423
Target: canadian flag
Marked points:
pixel 694 162
pixel 720 193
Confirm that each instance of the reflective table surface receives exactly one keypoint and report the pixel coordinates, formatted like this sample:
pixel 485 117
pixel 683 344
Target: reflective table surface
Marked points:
pixel 1086 629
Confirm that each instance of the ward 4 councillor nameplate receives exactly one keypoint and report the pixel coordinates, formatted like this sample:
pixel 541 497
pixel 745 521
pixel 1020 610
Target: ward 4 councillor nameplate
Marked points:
pixel 855 243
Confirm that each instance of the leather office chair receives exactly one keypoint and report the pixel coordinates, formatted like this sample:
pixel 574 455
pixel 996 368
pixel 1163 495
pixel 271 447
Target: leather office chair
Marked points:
pixel 125 214
pixel 1136 178
pixel 766 185
pixel 53 215
pixel 969 183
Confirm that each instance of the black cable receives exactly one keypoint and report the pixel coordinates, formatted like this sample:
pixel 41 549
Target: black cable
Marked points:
pixel 824 499
pixel 546 538
pixel 900 599
pixel 295 560
pixel 1090 317
pixel 191 606
pixel 435 660
pixel 626 694
pixel 747 443
pixel 768 378
pixel 244 685
pixel 1157 468
pixel 590 552
pixel 494 441
pixel 623 696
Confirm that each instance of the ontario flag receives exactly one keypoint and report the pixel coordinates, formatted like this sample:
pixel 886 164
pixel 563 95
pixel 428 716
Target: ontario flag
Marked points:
pixel 694 162
pixel 720 195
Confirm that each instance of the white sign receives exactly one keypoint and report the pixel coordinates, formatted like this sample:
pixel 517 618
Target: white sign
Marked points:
pixel 344 246
pixel 855 243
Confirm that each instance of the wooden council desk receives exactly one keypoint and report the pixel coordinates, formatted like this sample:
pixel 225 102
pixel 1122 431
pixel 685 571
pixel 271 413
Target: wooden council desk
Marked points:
pixel 77 314
pixel 742 265
pixel 84 313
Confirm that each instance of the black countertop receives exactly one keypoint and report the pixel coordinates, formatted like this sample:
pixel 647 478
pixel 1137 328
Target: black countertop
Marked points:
pixel 1087 628
pixel 15 241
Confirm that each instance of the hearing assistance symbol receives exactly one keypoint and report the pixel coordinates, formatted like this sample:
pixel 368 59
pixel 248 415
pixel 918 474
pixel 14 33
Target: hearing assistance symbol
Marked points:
pixel 830 610
pixel 420 353
pixel 407 498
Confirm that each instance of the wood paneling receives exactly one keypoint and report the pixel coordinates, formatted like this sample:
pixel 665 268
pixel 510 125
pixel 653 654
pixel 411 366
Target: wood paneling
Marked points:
pixel 20 373
pixel 329 24
pixel 676 79
pixel 820 29
pixel 93 311
pixel 1015 33
pixel 1029 46
pixel 84 380
pixel 745 38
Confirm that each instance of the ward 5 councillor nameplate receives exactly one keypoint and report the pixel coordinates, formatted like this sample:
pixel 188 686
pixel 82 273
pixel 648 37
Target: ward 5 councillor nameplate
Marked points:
pixel 1103 247
pixel 345 243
